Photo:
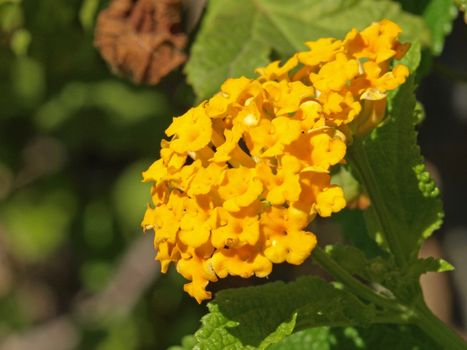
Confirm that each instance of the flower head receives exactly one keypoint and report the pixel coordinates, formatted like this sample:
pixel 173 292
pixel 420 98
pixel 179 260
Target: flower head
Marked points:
pixel 245 172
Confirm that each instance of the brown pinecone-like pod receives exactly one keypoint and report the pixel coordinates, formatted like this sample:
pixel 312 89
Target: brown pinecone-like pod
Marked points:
pixel 141 38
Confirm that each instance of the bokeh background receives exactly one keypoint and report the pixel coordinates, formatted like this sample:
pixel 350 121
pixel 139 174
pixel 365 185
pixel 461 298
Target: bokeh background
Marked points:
pixel 76 271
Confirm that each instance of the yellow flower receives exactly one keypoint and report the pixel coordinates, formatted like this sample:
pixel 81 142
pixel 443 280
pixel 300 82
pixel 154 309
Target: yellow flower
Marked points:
pixel 199 271
pixel 378 83
pixel 192 131
pixel 235 230
pixel 284 186
pixel 273 71
pixel 335 74
pixel 205 179
pixel 339 107
pixel 239 188
pixel 318 150
pixel 378 42
pixel 321 50
pixel 224 150
pixel 311 183
pixel 330 200
pixel 285 97
pixel 219 104
pixel 245 262
pixel 156 172
pixel 310 115
pixel 244 173
pixel 285 238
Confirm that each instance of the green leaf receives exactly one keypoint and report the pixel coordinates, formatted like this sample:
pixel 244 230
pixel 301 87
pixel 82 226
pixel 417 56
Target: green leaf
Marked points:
pixel 383 337
pixel 355 231
pixel 283 330
pixel 350 258
pixel 188 343
pixel 404 282
pixel 421 266
pixel 245 318
pixel 349 338
pixel 401 282
pixel 343 178
pixel 413 57
pixel 238 36
pixel 401 190
pixel 319 338
pixel 462 5
pixel 354 261
pixel 438 15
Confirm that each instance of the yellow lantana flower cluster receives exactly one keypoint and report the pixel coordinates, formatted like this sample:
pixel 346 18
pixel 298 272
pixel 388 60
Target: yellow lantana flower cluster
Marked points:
pixel 245 172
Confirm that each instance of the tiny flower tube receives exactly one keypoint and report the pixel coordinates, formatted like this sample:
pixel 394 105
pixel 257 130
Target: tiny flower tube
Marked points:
pixel 244 173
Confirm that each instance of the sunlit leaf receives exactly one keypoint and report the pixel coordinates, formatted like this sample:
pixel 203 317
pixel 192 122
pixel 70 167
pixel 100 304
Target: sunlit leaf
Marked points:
pixel 238 36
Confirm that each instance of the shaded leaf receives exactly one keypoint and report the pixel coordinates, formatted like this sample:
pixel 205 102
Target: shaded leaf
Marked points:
pixel 243 318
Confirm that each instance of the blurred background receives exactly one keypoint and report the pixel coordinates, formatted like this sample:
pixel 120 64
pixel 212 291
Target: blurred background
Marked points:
pixel 76 271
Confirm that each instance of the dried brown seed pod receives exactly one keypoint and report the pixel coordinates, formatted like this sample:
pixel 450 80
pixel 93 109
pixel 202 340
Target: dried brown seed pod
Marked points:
pixel 141 38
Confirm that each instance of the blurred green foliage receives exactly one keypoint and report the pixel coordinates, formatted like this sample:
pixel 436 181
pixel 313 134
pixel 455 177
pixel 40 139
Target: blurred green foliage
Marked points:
pixel 74 140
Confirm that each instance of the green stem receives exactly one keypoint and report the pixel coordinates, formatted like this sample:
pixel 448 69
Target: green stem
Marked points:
pixel 361 165
pixel 437 329
pixel 395 312
pixel 353 284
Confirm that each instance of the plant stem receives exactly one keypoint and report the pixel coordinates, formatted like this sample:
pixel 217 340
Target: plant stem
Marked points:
pixel 437 329
pixel 418 315
pixel 353 284
pixel 361 165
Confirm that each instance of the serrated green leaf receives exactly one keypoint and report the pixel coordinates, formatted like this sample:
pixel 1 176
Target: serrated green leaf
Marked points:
pixel 438 15
pixel 400 188
pixel 238 36
pixel 421 266
pixel 283 330
pixel 243 318
pixel 319 338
